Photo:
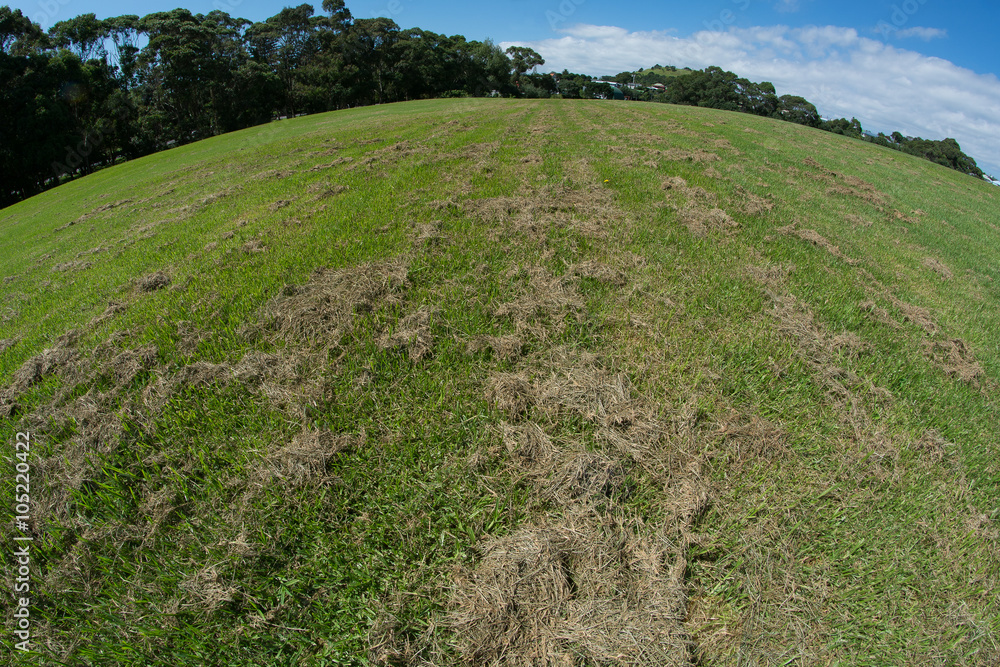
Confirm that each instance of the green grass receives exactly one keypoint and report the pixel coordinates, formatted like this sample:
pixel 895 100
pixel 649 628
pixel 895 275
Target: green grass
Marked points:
pixel 181 515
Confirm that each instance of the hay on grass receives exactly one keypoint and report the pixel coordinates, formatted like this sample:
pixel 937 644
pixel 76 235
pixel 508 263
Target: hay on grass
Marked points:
pixel 321 311
pixel 57 360
pixel 937 267
pixel 511 393
pixel 128 364
pixel 413 334
pixel 503 348
pixel 305 460
pixel 814 237
pixel 702 221
pixel 600 271
pixel 153 282
pixel 543 304
pixel 582 588
pixel 955 358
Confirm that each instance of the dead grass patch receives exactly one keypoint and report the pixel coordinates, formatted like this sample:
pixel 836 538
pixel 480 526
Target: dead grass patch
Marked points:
pixel 879 314
pixel 59 360
pixel 8 343
pixel 702 222
pixel 324 190
pixel 600 271
pixel 511 393
pixel 933 449
pixel 696 155
pixel 772 276
pixel 270 174
pixel 128 364
pixel 585 587
pixel 503 348
pixel 412 334
pixel 543 303
pixel 955 358
pixel 937 267
pixel 331 165
pixel 751 439
pixel 322 310
pixel 253 246
pixel 100 209
pixel 843 184
pixel 153 282
pixel 533 214
pixel 916 315
pixel 814 237
pixel 750 204
pixel 207 590
pixel 429 234
pixel 76 265
pixel 305 460
pixel 858 221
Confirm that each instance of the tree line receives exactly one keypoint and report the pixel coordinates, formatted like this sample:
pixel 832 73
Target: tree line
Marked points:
pixel 89 92
pixel 85 94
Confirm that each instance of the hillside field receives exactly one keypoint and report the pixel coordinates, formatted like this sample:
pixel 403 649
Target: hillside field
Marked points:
pixel 505 382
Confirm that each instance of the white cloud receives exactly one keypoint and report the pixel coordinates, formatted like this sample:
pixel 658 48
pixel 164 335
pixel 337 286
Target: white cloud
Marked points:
pixel 844 74
pixel 926 34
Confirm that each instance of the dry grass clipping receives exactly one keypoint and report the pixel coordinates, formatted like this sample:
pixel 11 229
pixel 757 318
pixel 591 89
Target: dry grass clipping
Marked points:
pixel 816 239
pixel 750 204
pixel 304 461
pixel 504 348
pixel 413 334
pixel 587 589
pixel 916 315
pixel 600 271
pixel 543 304
pixel 701 221
pixel 954 357
pixel 938 268
pixel 114 308
pixel 153 282
pixel 321 311
pixel 58 360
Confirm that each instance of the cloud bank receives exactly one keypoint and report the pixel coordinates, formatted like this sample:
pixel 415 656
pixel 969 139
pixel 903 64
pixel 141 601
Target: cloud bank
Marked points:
pixel 843 73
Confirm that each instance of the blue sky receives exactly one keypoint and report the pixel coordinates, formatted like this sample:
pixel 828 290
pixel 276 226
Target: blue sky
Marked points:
pixel 924 67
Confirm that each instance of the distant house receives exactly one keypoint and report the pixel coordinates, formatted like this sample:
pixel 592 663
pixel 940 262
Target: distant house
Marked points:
pixel 658 86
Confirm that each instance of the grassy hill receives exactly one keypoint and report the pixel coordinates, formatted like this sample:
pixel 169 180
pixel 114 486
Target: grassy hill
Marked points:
pixel 507 382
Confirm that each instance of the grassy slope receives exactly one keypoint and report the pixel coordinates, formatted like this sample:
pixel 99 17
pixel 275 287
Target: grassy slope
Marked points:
pixel 263 464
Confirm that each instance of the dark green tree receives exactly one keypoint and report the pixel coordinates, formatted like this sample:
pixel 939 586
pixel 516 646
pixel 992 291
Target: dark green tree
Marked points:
pixel 84 35
pixel 797 109
pixel 522 59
